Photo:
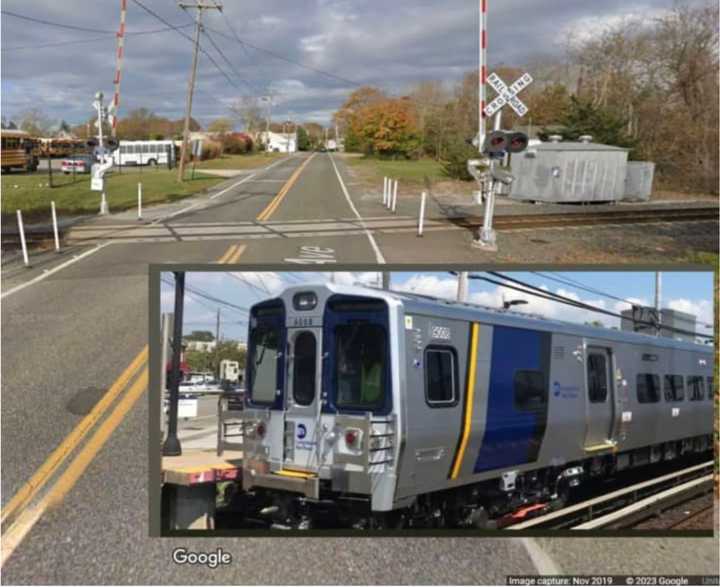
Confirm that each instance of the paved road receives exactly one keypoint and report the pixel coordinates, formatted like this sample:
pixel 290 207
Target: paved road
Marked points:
pixel 71 333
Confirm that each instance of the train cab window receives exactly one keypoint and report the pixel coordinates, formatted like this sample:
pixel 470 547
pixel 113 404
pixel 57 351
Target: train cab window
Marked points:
pixel 304 368
pixel 264 351
pixel 696 388
pixel 530 390
pixel 648 388
pixel 361 351
pixel 441 382
pixel 597 378
pixel 674 388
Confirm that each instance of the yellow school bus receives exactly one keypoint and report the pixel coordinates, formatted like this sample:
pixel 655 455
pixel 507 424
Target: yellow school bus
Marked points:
pixel 18 150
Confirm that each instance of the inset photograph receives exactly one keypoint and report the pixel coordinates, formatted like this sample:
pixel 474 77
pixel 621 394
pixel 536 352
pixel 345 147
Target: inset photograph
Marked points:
pixel 291 402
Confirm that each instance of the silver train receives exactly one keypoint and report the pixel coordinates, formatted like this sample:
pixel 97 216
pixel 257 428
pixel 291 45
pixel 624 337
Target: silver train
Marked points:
pixel 383 410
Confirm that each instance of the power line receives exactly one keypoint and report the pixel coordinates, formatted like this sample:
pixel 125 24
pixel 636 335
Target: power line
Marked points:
pixel 536 291
pixel 288 60
pixel 199 292
pixel 189 38
pixel 85 29
pixel 237 38
pixel 230 64
pixel 578 285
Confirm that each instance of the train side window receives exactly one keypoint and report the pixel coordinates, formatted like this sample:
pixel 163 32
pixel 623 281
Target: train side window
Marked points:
pixel 648 388
pixel 696 388
pixel 597 378
pixel 674 388
pixel 710 387
pixel 441 382
pixel 530 390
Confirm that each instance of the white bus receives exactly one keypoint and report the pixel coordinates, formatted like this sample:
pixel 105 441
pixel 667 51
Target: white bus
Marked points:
pixel 144 153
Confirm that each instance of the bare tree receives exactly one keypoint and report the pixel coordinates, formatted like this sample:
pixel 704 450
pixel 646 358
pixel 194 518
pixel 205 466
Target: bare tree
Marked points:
pixel 249 112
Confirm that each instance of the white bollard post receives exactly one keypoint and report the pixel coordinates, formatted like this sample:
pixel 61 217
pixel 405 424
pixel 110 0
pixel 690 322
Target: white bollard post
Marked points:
pixel 139 201
pixel 21 228
pixel 55 227
pixel 394 198
pixel 385 191
pixel 421 221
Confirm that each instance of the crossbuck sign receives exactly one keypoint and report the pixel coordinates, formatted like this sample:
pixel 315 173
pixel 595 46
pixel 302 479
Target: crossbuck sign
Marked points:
pixel 508 95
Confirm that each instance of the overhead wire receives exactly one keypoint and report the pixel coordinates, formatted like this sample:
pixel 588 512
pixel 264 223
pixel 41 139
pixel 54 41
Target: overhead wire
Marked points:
pixel 578 285
pixel 539 292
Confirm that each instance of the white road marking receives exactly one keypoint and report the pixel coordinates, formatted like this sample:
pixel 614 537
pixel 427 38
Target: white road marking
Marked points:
pixel 542 561
pixel 378 255
pixel 75 258
pixel 49 272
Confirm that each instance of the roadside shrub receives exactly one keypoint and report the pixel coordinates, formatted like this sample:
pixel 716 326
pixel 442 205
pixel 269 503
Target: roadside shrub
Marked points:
pixel 456 158
pixel 210 150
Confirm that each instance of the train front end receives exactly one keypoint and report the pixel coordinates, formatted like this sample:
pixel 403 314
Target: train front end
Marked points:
pixel 320 427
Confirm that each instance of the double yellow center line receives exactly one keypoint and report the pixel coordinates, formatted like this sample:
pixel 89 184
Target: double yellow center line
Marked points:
pixel 233 254
pixel 20 514
pixel 264 216
pixel 26 508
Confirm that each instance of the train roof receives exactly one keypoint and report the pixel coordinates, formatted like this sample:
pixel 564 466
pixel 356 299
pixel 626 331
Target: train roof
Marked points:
pixel 467 311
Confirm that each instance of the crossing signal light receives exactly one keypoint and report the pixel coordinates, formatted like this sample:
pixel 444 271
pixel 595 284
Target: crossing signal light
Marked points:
pixel 499 142
pixel 112 143
pixel 92 143
pixel 517 142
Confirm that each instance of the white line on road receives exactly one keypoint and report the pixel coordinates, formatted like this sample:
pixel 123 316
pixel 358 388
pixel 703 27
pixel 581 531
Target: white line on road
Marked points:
pixel 49 272
pixel 220 193
pixel 542 561
pixel 378 255
pixel 75 259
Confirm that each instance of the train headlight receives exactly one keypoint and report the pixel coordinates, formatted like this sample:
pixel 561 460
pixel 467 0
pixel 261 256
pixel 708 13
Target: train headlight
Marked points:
pixel 260 430
pixel 305 301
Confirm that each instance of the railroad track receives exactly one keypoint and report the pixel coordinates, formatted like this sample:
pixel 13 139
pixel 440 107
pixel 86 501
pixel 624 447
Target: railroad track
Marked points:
pixel 680 524
pixel 628 506
pixel 593 218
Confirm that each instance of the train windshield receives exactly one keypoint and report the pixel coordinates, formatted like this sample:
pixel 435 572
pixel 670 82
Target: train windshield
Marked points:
pixel 361 351
pixel 264 350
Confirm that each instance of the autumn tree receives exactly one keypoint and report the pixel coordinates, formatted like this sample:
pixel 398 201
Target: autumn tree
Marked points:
pixel 387 128
pixel 345 117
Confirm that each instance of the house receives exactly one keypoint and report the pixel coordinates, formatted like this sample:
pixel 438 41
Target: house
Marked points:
pixel 200 345
pixel 279 142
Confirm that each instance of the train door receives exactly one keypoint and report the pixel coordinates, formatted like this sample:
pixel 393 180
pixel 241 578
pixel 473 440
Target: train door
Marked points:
pixel 600 396
pixel 303 401
pixel 517 398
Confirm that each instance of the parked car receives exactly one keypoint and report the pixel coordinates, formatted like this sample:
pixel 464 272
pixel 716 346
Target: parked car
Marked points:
pixel 77 164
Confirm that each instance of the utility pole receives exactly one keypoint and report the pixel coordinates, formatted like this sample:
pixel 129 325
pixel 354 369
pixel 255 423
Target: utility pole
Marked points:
pixel 217 344
pixel 462 287
pixel 658 301
pixel 199 6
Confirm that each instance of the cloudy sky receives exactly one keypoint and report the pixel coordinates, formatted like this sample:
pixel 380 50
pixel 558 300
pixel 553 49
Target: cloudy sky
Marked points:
pixel 387 44
pixel 686 292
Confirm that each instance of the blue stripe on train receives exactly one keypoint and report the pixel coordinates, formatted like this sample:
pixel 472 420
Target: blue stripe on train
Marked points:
pixel 512 437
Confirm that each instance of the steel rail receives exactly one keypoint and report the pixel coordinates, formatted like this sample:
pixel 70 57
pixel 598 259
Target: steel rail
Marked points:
pixel 594 508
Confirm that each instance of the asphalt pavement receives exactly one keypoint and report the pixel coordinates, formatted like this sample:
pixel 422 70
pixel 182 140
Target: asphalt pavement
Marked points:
pixel 74 329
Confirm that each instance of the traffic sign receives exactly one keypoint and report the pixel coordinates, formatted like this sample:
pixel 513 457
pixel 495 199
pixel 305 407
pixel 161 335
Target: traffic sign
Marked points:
pixel 96 184
pixel 508 95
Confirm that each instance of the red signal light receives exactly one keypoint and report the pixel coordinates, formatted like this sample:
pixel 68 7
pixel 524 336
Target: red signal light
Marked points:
pixel 351 437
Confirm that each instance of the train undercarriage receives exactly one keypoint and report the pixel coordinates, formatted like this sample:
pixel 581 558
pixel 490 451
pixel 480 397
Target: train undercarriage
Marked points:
pixel 485 505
